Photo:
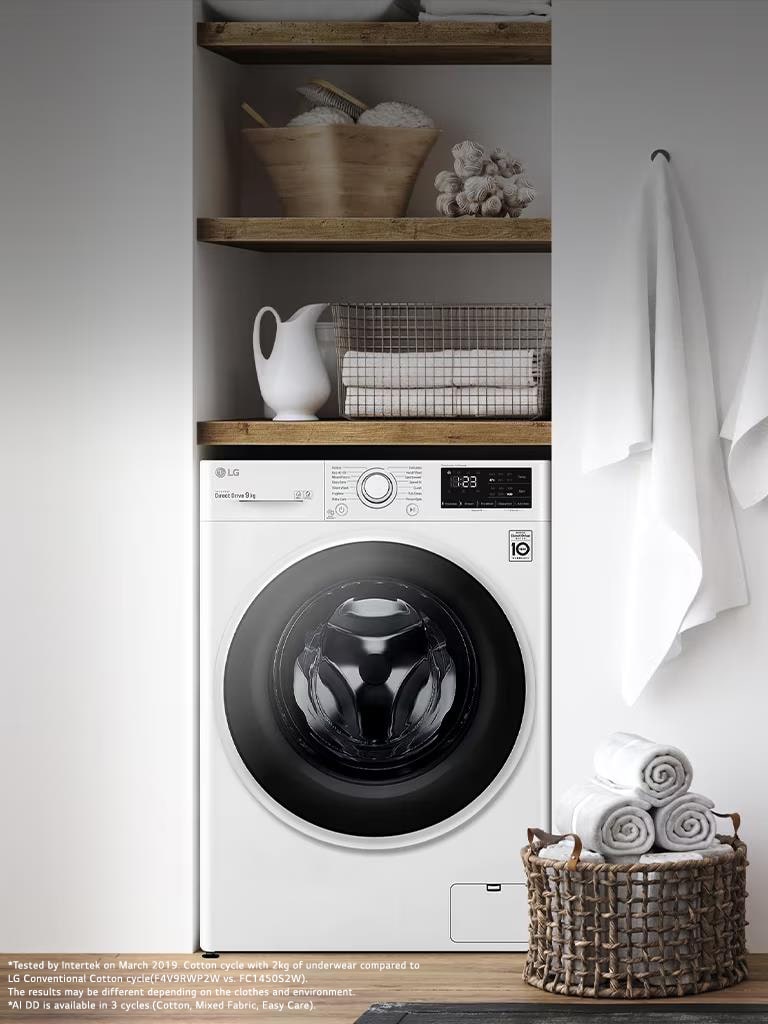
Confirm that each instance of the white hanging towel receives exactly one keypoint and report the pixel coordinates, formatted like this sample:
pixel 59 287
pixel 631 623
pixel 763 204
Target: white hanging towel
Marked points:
pixel 746 424
pixel 654 394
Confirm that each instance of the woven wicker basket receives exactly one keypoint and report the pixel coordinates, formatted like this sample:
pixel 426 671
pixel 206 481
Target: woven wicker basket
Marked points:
pixel 635 931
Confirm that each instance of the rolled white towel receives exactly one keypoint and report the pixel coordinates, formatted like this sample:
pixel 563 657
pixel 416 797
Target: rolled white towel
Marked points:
pixel 687 823
pixel 564 850
pixel 653 771
pixel 610 821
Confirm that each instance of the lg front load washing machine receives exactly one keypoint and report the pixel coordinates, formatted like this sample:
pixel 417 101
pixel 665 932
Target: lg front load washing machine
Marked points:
pixel 374 687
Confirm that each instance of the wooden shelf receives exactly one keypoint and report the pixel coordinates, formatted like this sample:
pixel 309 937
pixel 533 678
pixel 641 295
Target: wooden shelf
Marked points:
pixel 356 42
pixel 376 432
pixel 379 234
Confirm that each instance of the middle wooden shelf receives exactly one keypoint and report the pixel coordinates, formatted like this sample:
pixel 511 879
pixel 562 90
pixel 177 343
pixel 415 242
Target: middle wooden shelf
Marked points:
pixel 378 234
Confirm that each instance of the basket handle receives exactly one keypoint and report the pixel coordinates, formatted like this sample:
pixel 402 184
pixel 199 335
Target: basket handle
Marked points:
pixel 549 837
pixel 735 818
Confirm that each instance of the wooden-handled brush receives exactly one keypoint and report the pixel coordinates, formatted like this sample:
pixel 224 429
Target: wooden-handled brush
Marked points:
pixel 325 94
pixel 255 115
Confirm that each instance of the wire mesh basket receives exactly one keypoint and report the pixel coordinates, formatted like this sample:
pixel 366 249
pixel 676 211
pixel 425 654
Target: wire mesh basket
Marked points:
pixel 415 360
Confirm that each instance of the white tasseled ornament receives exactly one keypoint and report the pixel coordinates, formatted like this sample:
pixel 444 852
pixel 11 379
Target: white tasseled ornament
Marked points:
pixel 446 205
pixel 321 115
pixel 463 202
pixel 508 166
pixel 509 191
pixel 492 206
pixel 525 190
pixel 447 181
pixel 394 114
pixel 483 185
pixel 480 188
pixel 469 159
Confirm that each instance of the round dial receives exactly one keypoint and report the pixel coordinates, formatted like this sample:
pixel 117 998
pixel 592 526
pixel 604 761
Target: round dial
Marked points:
pixel 376 488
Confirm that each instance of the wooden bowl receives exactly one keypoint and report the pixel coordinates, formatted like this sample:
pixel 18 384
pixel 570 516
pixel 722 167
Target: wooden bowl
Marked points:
pixel 342 170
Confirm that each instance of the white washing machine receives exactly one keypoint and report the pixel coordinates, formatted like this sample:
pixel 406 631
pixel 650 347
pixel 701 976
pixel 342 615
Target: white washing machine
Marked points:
pixel 375 701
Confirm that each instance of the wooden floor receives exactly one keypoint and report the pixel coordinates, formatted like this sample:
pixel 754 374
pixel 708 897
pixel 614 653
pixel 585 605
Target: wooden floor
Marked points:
pixel 441 977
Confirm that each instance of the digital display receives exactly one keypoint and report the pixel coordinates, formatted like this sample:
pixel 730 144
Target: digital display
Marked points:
pixel 486 487
pixel 468 481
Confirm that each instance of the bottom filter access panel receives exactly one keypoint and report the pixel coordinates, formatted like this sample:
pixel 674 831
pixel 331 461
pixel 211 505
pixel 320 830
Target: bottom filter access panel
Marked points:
pixel 489 912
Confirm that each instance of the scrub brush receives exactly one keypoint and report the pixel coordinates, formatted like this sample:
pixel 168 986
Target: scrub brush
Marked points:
pixel 324 94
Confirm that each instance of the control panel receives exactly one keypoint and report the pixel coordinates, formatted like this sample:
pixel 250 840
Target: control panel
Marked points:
pixel 486 487
pixel 362 491
pixel 375 491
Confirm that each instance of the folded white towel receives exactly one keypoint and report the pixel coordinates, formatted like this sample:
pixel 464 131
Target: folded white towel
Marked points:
pixel 443 402
pixel 314 10
pixel 486 6
pixel 671 857
pixel 653 771
pixel 746 424
pixel 395 370
pixel 606 820
pixel 687 823
pixel 490 368
pixel 517 368
pixel 398 402
pixel 652 391
pixel 498 401
pixel 563 851
pixel 484 17
pixel 719 850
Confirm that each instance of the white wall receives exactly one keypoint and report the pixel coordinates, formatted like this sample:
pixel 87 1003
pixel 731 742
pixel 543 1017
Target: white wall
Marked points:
pixel 97 750
pixel 228 291
pixel 629 77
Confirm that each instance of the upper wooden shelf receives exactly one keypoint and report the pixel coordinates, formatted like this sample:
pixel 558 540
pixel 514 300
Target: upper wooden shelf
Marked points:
pixel 374 42
pixel 379 234
pixel 376 432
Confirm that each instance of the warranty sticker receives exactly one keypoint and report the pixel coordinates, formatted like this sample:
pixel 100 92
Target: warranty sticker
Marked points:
pixel 521 545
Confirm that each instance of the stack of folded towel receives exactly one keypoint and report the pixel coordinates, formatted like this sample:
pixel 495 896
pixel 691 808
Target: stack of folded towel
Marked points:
pixel 485 10
pixel 479 382
pixel 638 801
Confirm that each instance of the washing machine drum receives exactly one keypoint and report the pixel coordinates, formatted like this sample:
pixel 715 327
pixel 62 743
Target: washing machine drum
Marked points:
pixel 374 689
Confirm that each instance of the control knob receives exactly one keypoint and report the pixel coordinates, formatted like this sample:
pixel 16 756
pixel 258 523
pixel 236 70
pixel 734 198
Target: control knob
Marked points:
pixel 376 488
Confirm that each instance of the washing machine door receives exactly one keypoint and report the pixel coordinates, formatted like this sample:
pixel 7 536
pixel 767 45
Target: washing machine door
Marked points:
pixel 374 689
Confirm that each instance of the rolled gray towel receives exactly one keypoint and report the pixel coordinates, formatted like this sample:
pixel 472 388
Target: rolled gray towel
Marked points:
pixel 606 820
pixel 655 772
pixel 686 823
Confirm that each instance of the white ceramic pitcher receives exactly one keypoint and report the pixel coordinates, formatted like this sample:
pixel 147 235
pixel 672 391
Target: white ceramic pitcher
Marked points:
pixel 293 380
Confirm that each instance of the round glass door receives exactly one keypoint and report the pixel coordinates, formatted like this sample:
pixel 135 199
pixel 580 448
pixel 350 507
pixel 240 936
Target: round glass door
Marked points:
pixel 374 689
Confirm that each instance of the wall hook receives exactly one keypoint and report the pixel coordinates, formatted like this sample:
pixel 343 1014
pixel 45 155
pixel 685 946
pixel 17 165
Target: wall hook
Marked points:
pixel 664 153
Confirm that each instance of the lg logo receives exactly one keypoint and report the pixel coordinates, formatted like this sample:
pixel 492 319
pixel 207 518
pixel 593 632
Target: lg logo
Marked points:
pixel 221 472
